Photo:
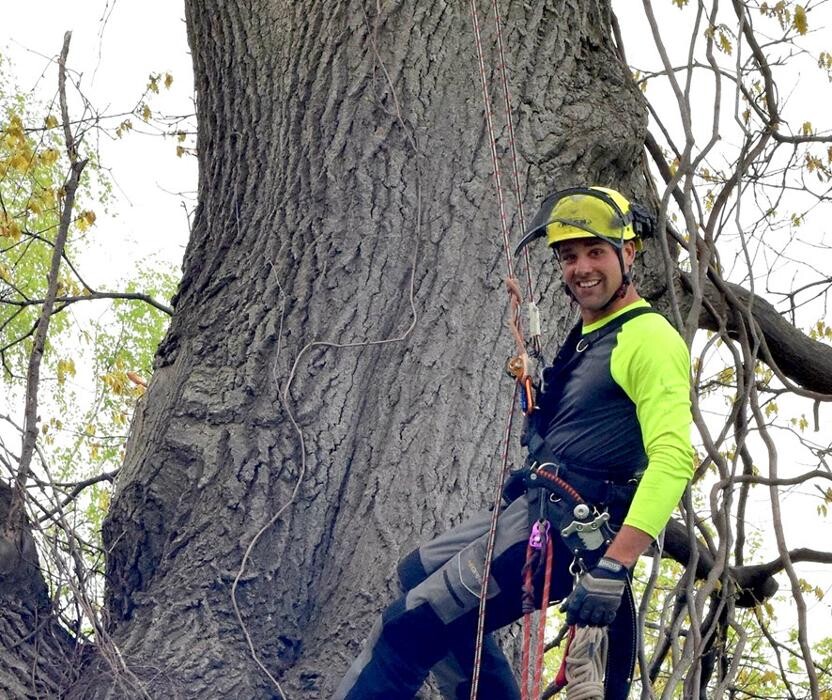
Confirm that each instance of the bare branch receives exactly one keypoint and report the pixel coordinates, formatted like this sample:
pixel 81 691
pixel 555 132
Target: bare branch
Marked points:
pixel 801 359
pixel 67 300
pixel 39 342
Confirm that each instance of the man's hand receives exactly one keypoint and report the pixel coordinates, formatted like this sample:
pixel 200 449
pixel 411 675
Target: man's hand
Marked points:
pixel 597 595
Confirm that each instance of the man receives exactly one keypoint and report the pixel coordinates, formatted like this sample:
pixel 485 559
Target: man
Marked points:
pixel 612 422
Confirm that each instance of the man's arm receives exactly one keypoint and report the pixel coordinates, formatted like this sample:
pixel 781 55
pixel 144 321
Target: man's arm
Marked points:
pixel 629 544
pixel 651 363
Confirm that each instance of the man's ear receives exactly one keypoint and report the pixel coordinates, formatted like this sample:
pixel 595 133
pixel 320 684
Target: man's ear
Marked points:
pixel 628 251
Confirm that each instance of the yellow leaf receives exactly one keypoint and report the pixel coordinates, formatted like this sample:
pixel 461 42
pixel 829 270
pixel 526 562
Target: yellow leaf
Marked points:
pixel 146 113
pixel 19 161
pixel 66 368
pixel 14 130
pixel 10 229
pixel 51 121
pixel 49 156
pixel 725 43
pixel 801 23
pixel 124 127
pixel 180 151
pixel 85 220
pixel 168 80
pixel 806 129
pixel 726 376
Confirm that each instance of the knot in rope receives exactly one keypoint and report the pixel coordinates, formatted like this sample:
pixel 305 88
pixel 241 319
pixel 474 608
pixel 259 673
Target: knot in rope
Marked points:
pixel 585 664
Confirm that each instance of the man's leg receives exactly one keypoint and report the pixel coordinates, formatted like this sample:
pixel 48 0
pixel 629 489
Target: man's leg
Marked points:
pixel 440 614
pixel 453 673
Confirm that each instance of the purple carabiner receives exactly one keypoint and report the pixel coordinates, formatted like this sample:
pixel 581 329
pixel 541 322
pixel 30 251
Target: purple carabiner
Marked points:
pixel 540 533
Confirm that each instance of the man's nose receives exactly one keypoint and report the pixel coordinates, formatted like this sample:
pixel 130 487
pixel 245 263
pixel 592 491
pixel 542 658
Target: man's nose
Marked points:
pixel 583 264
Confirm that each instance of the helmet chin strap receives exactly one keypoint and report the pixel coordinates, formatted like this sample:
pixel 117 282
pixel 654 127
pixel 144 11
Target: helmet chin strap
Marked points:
pixel 625 282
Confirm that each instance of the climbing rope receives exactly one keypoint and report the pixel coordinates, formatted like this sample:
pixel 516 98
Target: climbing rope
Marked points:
pixel 585 663
pixel 514 313
pixel 523 371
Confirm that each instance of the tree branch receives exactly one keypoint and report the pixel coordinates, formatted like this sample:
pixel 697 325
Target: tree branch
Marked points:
pixel 30 416
pixel 755 583
pixel 806 362
pixel 132 296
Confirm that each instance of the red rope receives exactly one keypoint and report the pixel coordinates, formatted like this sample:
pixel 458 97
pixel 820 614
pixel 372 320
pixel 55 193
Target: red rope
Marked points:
pixel 541 623
pixel 533 561
pixel 515 171
pixel 560 678
pixel 528 609
pixel 489 553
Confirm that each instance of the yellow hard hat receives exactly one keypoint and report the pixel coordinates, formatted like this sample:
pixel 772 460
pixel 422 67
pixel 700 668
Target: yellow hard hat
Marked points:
pixel 582 212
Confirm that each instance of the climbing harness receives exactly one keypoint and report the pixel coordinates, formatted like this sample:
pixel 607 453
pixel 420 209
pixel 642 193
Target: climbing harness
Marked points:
pixel 581 526
pixel 585 531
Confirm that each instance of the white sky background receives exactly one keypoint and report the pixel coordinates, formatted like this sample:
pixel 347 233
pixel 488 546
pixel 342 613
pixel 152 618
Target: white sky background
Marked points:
pixel 116 44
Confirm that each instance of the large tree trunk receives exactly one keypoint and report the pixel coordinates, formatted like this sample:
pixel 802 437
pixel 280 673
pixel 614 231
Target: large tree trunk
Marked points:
pixel 38 657
pixel 343 156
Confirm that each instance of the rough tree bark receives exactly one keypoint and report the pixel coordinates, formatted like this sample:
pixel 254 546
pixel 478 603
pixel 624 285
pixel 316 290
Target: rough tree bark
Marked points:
pixel 38 657
pixel 342 155
pixel 344 167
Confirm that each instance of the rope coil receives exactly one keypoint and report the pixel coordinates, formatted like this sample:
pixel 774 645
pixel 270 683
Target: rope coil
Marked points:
pixel 585 664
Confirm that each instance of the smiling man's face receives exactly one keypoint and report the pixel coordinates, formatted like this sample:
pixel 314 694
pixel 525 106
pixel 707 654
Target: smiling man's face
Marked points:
pixel 593 274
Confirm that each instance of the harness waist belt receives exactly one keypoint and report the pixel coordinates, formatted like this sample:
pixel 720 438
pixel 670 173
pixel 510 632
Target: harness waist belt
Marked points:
pixel 592 487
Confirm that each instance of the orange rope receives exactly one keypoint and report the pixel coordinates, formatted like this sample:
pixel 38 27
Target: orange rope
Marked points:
pixel 515 300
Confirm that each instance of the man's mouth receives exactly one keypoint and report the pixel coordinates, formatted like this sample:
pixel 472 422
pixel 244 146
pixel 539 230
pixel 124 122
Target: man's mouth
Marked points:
pixel 587 284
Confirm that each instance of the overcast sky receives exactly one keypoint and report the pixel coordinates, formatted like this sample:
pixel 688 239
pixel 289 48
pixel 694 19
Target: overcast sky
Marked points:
pixel 115 46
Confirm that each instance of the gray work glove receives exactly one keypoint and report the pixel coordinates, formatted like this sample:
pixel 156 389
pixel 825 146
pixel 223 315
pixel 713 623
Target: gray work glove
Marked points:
pixel 597 595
